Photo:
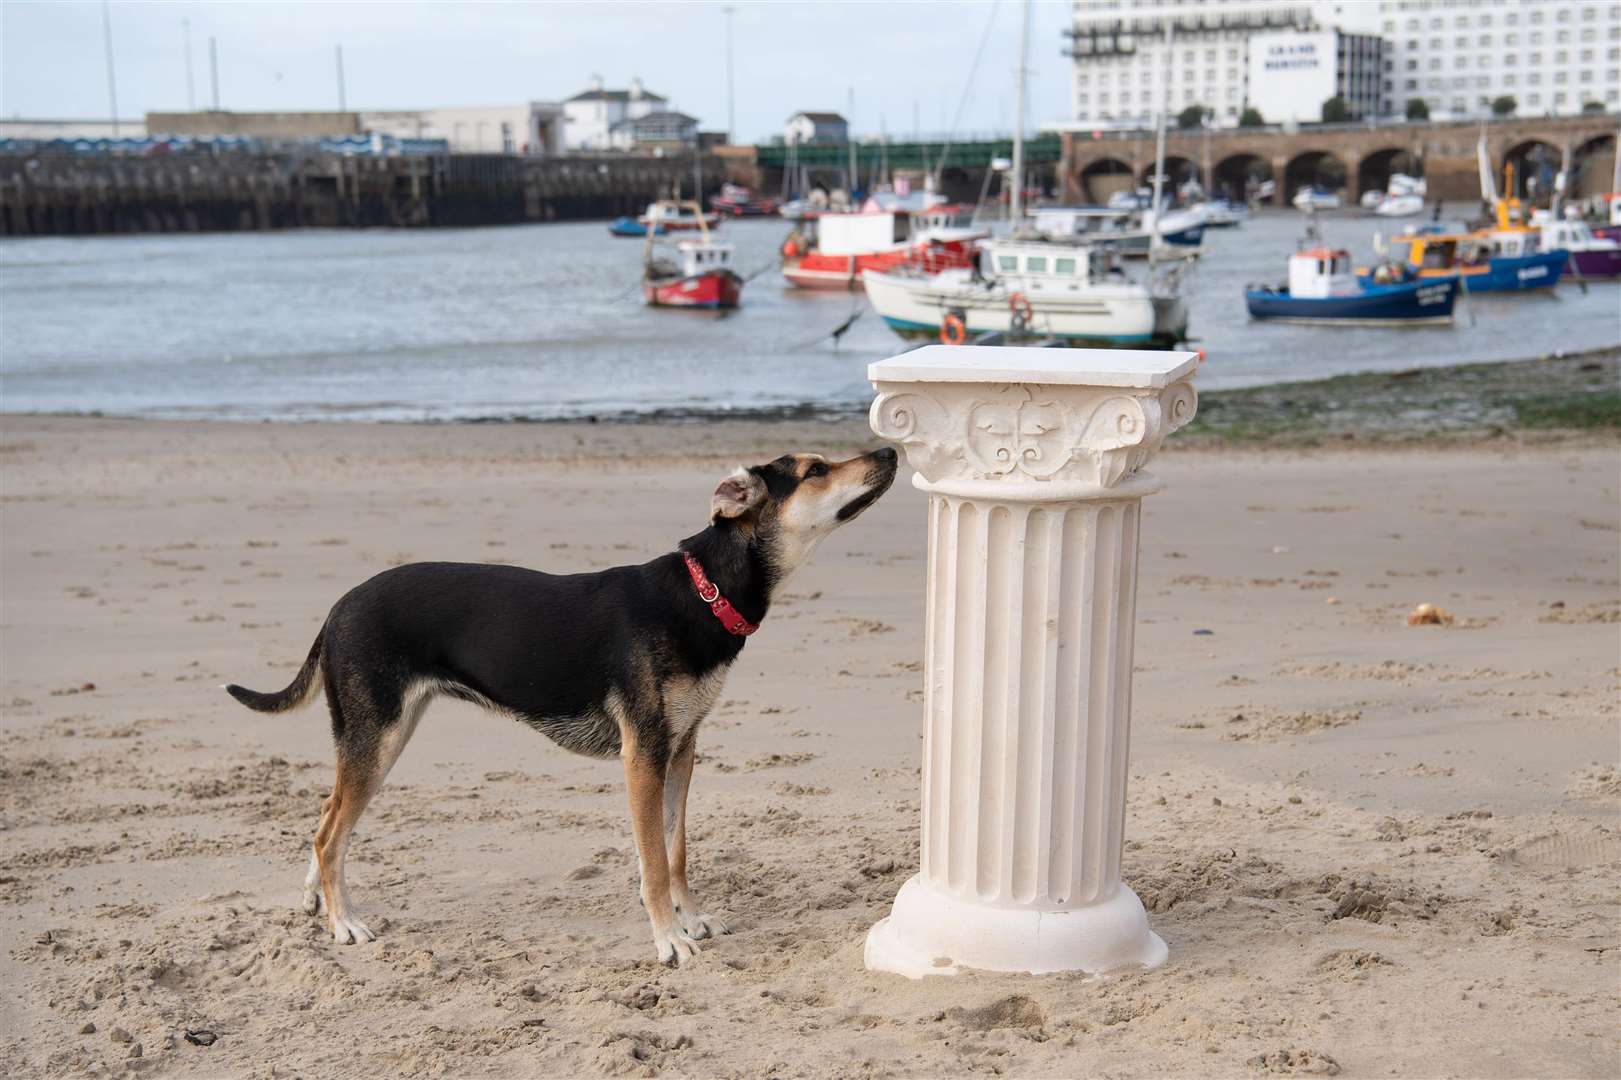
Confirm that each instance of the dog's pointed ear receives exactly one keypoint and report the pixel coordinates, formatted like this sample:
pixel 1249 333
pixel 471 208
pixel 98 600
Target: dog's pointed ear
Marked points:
pixel 737 495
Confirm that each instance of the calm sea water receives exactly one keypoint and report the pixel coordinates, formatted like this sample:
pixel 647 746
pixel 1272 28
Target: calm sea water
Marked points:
pixel 546 321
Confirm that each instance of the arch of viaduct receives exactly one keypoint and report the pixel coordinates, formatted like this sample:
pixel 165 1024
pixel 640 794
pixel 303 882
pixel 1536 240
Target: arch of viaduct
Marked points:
pixel 1357 158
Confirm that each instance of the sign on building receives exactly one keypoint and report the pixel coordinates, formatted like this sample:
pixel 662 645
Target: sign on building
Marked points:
pixel 1292 74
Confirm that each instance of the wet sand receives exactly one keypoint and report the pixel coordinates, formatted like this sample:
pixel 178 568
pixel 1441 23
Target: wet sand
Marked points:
pixel 1372 848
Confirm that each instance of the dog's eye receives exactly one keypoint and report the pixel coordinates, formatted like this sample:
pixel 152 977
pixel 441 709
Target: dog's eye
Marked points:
pixel 818 468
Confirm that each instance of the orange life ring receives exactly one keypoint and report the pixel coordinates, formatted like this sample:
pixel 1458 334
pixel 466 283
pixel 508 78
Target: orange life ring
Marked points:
pixel 1019 304
pixel 789 249
pixel 953 331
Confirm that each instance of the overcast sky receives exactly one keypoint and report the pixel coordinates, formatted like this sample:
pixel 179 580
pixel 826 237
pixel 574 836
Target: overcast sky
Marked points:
pixel 788 56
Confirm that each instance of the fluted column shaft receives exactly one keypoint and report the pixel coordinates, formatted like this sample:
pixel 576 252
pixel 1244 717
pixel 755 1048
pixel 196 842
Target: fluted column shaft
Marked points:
pixel 1028 701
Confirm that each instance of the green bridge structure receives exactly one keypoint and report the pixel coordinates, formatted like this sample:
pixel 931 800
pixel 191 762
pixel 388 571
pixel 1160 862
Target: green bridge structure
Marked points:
pixel 1046 150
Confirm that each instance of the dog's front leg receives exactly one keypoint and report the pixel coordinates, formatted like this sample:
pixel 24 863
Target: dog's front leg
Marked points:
pixel 644 780
pixel 697 924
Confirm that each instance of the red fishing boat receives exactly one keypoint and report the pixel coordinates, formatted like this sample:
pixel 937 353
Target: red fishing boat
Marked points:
pixel 698 275
pixel 833 250
pixel 737 201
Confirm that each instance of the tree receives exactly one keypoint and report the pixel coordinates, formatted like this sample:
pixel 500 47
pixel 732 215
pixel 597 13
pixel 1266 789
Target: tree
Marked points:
pixel 1334 110
pixel 1592 105
pixel 1191 117
pixel 1251 118
pixel 1504 106
pixel 1417 109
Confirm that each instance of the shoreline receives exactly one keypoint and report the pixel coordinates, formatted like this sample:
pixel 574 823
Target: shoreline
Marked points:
pixel 1553 396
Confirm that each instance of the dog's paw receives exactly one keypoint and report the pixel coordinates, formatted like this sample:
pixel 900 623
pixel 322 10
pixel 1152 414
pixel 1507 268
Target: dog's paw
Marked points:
pixel 701 925
pixel 351 931
pixel 675 947
pixel 313 903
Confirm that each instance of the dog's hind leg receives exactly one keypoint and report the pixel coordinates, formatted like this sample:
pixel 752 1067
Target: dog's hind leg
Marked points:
pixel 363 764
pixel 677 779
pixel 644 781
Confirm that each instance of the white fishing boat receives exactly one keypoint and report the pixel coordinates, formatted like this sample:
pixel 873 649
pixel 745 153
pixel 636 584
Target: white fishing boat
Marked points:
pixel 1072 292
pixel 1308 199
pixel 1403 197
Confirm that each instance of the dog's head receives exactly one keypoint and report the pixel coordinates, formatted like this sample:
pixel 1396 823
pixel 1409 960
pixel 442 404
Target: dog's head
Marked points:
pixel 793 503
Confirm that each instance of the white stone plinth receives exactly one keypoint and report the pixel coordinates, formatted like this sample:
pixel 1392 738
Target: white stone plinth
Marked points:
pixel 1033 462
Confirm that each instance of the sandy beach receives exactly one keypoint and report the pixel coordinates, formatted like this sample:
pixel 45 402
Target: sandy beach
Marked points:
pixel 1373 849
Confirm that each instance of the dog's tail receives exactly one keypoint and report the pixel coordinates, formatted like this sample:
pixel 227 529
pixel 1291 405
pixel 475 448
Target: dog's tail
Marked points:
pixel 300 690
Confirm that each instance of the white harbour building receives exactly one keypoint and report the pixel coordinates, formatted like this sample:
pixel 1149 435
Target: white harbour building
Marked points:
pixel 1285 59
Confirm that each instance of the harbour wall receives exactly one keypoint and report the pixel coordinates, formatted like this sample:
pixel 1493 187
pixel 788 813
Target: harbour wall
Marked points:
pixel 75 194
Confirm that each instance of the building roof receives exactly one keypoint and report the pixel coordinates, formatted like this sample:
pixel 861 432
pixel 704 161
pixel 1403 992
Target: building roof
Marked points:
pixel 819 117
pixel 663 117
pixel 617 95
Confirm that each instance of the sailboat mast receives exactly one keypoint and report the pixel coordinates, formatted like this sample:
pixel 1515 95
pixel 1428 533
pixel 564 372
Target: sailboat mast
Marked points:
pixel 1159 144
pixel 1016 205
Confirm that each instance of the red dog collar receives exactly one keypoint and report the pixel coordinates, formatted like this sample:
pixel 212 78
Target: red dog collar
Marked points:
pixel 709 593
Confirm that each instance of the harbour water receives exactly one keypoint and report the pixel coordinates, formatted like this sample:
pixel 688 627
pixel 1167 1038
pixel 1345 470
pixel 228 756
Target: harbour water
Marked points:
pixel 547 321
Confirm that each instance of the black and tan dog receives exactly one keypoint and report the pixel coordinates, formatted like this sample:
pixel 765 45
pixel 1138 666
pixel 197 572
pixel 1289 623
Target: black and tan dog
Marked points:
pixel 627 661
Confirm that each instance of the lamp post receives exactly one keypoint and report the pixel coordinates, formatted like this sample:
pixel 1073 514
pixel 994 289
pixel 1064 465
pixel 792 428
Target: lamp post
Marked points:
pixel 1032 459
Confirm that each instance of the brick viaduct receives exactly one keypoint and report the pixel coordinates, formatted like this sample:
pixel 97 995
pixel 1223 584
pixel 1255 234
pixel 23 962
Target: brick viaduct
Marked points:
pixel 1093 167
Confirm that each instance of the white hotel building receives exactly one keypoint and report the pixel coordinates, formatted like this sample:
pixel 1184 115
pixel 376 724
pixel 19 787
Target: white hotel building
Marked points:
pixel 1551 56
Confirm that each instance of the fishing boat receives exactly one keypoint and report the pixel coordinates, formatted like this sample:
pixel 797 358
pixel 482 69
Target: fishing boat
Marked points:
pixel 1130 233
pixel 1592 258
pixel 1309 199
pixel 735 200
pixel 629 226
pixel 700 275
pixel 834 250
pixel 1074 292
pixel 1403 197
pixel 671 215
pixel 1487 261
pixel 1324 289
pixel 1224 214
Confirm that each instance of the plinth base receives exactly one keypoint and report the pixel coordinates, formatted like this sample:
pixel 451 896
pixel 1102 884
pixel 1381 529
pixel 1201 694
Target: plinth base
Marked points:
pixel 931 933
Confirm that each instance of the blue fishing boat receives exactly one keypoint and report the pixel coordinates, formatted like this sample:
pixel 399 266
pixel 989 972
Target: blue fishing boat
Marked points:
pixel 1324 289
pixel 629 226
pixel 1506 259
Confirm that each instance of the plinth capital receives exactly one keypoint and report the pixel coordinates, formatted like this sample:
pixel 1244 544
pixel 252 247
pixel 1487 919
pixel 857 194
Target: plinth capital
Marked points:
pixel 1079 420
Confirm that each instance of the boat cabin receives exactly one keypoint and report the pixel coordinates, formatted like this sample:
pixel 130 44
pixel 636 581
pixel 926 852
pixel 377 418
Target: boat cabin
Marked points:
pixel 702 257
pixel 1432 253
pixel 1572 236
pixel 1050 265
pixel 1322 272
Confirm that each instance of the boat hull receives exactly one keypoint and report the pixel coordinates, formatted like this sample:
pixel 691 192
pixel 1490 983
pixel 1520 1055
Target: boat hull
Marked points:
pixel 629 226
pixel 1602 265
pixel 1412 303
pixel 844 272
pixel 714 289
pixel 1103 316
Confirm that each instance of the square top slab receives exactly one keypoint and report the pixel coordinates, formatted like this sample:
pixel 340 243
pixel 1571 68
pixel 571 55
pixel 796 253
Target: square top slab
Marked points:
pixel 1051 367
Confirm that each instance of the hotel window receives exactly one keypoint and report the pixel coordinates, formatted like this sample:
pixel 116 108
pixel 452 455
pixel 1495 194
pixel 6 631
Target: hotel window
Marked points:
pixel 1510 59
pixel 1412 43
pixel 1485 20
pixel 1482 81
pixel 1412 65
pixel 1559 98
pixel 1511 39
pixel 1410 84
pixel 1461 41
pixel 1536 18
pixel 1615 53
pixel 1589 34
pixel 1232 54
pixel 1534 58
pixel 1437 44
pixel 1485 41
pixel 1534 78
pixel 1412 24
pixel 1435 63
pixel 1563 35
pixel 1463 20
pixel 1587 56
pixel 1536 37
pixel 1508 80
pixel 1435 24
pixel 1460 61
pixel 1563 15
pixel 1589 14
pixel 1535 99
pixel 1561 56
pixel 1586 75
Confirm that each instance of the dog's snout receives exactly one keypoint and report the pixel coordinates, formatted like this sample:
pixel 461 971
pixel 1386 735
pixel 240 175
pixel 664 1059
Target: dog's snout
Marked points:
pixel 887 455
